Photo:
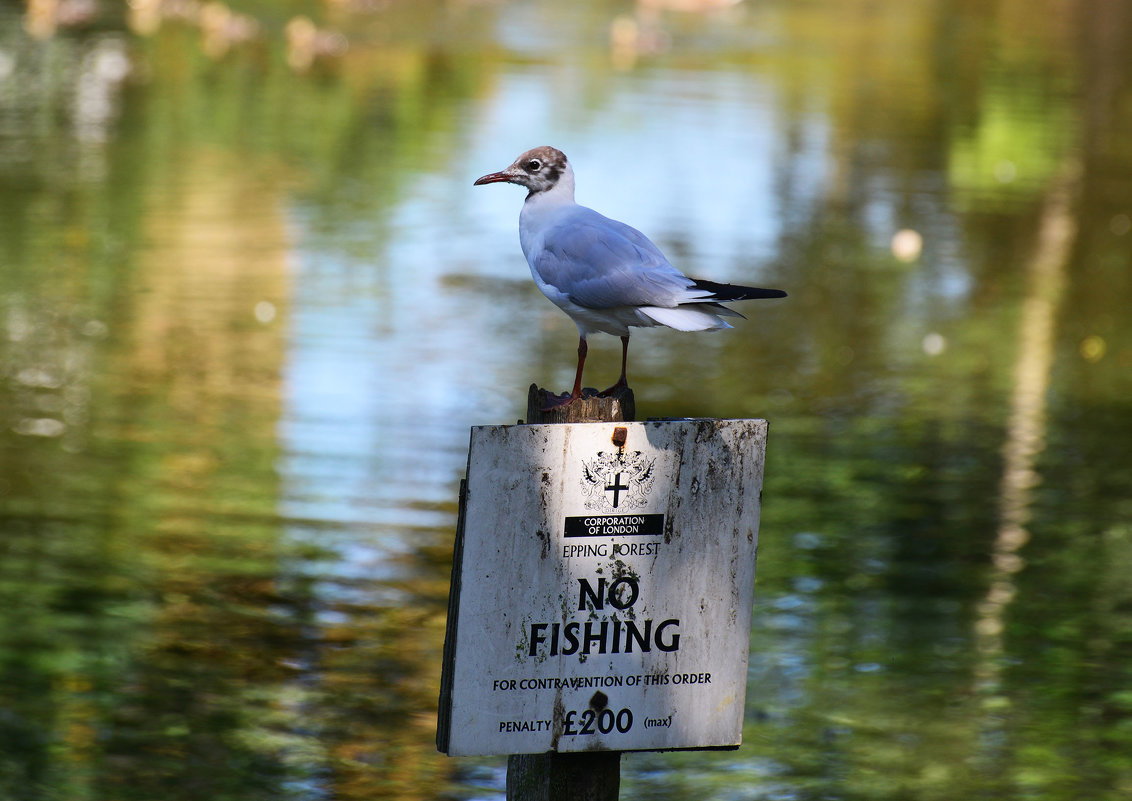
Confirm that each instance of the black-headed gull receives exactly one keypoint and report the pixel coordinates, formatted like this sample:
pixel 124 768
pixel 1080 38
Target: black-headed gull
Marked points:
pixel 606 275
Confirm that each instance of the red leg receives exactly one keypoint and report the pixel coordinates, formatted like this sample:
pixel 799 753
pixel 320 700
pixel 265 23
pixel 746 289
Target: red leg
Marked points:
pixel 622 381
pixel 583 349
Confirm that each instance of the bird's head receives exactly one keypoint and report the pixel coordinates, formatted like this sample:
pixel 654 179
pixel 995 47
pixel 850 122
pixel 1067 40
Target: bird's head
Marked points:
pixel 540 169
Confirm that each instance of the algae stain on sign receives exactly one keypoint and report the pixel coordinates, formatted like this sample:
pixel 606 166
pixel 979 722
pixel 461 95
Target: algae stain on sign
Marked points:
pixel 602 587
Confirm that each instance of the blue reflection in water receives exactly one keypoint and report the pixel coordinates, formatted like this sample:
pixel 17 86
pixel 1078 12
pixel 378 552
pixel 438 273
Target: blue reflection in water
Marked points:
pixel 688 157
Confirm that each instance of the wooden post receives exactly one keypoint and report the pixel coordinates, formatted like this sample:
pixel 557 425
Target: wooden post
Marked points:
pixel 618 407
pixel 592 776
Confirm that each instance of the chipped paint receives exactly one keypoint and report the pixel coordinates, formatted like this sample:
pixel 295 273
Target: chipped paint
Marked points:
pixel 655 616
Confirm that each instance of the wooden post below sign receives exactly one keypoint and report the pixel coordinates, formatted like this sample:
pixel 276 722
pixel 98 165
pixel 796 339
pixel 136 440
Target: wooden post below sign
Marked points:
pixel 603 584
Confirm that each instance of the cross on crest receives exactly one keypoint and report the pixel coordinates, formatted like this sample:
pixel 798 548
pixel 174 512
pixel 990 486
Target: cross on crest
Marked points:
pixel 616 488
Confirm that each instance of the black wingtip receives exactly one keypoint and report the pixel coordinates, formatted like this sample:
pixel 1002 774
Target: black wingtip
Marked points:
pixel 736 292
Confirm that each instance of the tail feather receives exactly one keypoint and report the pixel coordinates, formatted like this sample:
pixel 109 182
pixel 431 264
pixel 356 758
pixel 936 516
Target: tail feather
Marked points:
pixel 726 292
pixel 689 317
pixel 719 308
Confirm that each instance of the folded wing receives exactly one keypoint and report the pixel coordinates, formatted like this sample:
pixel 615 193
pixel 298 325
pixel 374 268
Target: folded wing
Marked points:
pixel 599 263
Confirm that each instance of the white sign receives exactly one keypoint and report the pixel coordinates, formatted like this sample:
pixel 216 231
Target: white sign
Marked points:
pixel 602 587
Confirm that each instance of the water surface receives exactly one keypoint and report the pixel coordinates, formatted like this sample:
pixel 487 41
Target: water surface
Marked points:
pixel 250 305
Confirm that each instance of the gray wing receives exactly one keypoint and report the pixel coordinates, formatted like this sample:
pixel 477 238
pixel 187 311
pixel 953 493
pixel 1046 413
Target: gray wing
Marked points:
pixel 600 263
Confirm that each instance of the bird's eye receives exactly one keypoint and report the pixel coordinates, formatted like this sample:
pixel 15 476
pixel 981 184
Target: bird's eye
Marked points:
pixel 534 165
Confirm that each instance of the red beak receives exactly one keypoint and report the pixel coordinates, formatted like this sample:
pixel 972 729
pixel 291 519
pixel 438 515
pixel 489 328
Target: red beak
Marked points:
pixel 493 178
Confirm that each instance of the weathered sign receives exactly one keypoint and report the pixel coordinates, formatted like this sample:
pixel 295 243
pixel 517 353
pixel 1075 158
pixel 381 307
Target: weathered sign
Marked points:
pixel 602 587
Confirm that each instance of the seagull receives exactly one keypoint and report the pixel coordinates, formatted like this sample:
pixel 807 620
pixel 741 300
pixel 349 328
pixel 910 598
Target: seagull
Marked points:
pixel 605 274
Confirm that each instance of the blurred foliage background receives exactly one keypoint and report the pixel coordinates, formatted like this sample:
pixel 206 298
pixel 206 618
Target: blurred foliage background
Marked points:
pixel 250 304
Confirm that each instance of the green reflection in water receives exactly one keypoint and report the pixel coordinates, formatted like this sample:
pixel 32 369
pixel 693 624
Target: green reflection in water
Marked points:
pixel 161 635
pixel 165 631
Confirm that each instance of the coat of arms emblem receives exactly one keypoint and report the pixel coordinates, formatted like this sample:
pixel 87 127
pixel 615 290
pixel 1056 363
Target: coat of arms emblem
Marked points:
pixel 617 481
